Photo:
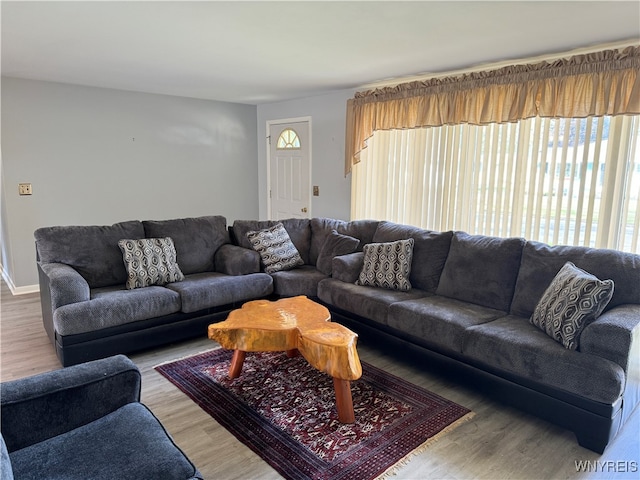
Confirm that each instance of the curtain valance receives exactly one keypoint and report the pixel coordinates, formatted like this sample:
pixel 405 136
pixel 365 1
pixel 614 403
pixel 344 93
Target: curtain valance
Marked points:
pixel 595 84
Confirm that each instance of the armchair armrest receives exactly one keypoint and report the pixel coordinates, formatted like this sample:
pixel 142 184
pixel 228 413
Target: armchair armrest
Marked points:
pixel 43 406
pixel 65 284
pixel 235 260
pixel 347 267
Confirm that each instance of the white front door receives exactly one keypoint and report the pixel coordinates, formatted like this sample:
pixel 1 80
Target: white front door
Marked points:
pixel 290 169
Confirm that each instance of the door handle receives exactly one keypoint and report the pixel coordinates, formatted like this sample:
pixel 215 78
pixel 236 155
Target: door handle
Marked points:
pixel 304 210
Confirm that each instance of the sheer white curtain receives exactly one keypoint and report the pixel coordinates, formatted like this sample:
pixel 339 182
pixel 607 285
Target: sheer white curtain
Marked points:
pixel 559 181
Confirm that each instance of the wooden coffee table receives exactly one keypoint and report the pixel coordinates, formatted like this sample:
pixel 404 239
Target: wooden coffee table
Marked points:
pixel 294 325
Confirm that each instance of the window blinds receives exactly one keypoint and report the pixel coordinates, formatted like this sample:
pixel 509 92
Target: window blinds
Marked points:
pixel 560 181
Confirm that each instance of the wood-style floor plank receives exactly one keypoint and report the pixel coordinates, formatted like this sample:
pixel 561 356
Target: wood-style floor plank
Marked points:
pixel 498 443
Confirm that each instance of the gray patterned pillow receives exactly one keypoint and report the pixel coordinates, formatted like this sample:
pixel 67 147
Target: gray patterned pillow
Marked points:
pixel 573 299
pixel 387 265
pixel 150 261
pixel 275 248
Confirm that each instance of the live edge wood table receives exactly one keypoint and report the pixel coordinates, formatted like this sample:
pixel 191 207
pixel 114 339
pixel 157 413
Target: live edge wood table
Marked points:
pixel 294 325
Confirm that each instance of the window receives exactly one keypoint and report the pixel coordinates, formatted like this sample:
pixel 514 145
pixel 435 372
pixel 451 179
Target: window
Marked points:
pixel 560 181
pixel 288 139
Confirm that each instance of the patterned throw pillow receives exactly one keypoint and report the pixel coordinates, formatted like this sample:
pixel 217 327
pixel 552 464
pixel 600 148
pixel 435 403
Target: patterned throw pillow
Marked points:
pixel 335 245
pixel 572 300
pixel 150 261
pixel 387 265
pixel 275 248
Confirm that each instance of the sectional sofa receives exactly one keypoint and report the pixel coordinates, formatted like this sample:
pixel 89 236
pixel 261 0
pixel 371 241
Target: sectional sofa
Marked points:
pixel 464 306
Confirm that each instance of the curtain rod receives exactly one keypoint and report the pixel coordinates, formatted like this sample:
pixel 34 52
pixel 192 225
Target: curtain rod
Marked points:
pixel 497 65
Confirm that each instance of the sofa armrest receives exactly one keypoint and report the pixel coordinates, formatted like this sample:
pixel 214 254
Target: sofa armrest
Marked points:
pixel 347 268
pixel 43 406
pixel 64 283
pixel 235 260
pixel 614 336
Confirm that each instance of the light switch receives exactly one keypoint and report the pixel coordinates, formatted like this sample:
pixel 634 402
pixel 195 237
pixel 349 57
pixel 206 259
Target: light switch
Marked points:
pixel 24 189
pixel 316 191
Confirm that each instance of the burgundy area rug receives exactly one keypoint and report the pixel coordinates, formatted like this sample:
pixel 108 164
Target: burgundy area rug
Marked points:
pixel 284 410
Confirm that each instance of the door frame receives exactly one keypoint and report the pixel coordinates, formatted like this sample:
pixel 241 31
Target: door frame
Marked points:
pixel 268 148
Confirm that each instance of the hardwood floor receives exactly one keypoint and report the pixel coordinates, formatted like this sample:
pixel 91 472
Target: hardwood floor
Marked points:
pixel 498 443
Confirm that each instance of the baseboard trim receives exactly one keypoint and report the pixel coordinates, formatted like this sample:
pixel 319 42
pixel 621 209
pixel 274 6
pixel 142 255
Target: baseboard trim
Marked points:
pixel 18 290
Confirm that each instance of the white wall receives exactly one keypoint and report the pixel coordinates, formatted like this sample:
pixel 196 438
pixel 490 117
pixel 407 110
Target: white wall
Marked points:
pixel 328 117
pixel 99 156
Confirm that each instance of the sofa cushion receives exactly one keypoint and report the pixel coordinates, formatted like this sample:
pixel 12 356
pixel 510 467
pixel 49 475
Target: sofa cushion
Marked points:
pixel 387 265
pixel 150 261
pixel 91 250
pixel 299 281
pixel 276 249
pixel 439 321
pixel 129 443
pixel 196 240
pixel 573 299
pixel 541 262
pixel 347 268
pixel 368 302
pixel 335 245
pixel 481 270
pixel 298 229
pixel 321 228
pixel 430 251
pixel 211 289
pixel 511 344
pixel 235 260
pixel 112 306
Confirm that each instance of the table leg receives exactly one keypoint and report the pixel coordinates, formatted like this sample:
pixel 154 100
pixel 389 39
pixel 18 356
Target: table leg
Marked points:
pixel 236 363
pixel 344 402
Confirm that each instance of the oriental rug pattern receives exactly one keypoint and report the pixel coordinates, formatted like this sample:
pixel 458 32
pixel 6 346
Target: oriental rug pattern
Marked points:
pixel 284 410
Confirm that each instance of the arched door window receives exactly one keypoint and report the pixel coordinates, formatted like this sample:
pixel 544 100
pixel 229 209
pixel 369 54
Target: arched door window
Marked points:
pixel 288 140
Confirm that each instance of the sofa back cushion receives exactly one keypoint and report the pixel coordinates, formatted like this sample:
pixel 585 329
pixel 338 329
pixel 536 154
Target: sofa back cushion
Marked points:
pixel 541 262
pixel 321 228
pixel 482 270
pixel 430 251
pixel 91 250
pixel 196 240
pixel 298 229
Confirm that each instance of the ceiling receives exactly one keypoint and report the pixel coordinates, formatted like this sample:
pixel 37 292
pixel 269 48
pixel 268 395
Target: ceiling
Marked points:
pixel 259 52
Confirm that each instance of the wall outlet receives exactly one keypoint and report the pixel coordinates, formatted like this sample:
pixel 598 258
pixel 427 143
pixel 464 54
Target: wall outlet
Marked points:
pixel 24 189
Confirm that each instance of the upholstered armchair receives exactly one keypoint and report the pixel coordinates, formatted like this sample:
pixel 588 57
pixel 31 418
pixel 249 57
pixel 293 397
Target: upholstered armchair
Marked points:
pixel 85 421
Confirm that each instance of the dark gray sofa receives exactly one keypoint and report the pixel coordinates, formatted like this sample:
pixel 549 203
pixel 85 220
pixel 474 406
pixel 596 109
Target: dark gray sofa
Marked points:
pixel 86 422
pixel 87 311
pixel 468 312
